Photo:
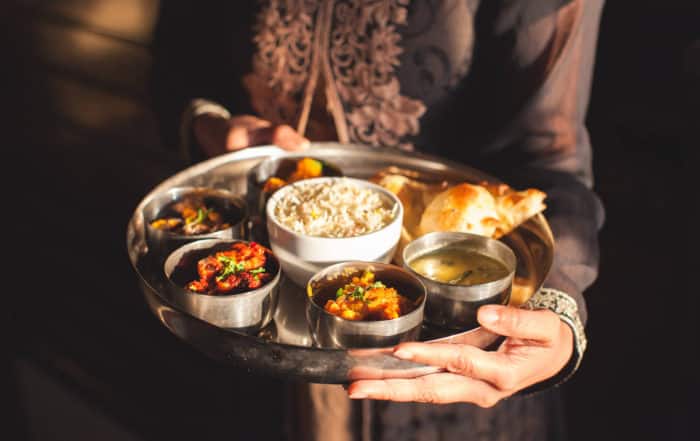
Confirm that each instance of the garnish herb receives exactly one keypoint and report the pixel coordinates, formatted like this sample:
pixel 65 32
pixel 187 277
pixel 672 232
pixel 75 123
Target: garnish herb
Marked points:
pixel 358 293
pixel 202 215
pixel 231 267
pixel 257 271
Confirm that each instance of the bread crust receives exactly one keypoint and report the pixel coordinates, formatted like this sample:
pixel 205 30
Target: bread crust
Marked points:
pixel 484 208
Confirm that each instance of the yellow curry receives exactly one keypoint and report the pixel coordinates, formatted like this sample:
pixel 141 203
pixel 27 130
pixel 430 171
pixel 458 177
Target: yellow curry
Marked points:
pixel 366 299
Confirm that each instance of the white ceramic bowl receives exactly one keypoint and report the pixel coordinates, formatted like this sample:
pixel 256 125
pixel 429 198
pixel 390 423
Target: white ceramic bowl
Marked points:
pixel 301 256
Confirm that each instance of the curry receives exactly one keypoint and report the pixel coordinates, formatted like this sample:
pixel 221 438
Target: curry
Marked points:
pixel 459 266
pixel 243 267
pixel 365 298
pixel 190 216
pixel 306 168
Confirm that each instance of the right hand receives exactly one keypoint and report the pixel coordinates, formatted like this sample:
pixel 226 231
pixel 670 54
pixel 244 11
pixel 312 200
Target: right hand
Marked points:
pixel 217 135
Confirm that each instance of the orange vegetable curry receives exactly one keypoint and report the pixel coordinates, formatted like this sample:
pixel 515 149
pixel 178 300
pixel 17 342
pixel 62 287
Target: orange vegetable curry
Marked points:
pixel 366 299
pixel 306 168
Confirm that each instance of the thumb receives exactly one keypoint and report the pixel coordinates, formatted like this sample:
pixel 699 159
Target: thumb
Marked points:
pixel 541 325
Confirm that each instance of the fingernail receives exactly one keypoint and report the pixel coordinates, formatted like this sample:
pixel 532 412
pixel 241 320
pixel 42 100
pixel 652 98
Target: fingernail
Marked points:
pixel 357 395
pixel 403 354
pixel 488 314
pixel 305 144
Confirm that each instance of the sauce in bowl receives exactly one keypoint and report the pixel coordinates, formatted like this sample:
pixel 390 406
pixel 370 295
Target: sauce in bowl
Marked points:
pixel 454 264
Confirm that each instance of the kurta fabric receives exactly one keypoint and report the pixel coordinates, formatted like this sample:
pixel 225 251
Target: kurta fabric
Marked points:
pixel 502 86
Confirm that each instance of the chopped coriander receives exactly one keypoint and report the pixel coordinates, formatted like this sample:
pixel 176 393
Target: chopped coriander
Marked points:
pixel 339 293
pixel 231 267
pixel 358 293
pixel 225 259
pixel 257 271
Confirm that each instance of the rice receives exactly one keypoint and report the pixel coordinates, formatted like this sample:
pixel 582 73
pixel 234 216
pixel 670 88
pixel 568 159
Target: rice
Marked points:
pixel 333 208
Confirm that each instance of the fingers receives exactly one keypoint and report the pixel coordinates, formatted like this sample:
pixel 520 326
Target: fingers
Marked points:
pixel 541 325
pixel 287 138
pixel 435 388
pixel 239 129
pixel 465 360
pixel 282 136
pixel 474 375
pixel 250 122
pixel 239 137
pixel 217 135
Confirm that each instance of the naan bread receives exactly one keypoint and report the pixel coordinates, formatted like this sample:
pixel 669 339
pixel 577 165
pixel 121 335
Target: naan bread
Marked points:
pixel 414 195
pixel 514 207
pixel 492 210
pixel 465 207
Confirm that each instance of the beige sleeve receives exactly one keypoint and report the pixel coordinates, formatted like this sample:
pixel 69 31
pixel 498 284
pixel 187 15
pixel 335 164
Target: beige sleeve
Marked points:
pixel 196 107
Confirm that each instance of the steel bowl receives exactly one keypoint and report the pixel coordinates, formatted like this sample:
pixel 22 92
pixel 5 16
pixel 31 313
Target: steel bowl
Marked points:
pixel 161 243
pixel 301 256
pixel 281 166
pixel 330 331
pixel 453 306
pixel 246 312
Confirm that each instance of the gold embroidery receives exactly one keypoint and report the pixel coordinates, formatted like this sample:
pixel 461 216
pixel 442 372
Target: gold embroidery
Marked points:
pixel 283 37
pixel 363 55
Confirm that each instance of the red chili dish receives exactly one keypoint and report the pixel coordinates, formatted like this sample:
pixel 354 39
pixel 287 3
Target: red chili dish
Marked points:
pixel 243 267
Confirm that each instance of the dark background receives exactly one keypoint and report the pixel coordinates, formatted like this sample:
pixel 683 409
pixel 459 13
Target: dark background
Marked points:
pixel 83 150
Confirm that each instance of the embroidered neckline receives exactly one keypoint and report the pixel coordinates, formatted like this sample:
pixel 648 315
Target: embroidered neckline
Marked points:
pixel 355 45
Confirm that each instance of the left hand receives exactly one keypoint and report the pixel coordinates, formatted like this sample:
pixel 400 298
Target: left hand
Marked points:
pixel 217 135
pixel 537 346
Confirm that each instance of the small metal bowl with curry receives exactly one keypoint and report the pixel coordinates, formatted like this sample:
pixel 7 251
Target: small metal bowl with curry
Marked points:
pixel 364 305
pixel 185 214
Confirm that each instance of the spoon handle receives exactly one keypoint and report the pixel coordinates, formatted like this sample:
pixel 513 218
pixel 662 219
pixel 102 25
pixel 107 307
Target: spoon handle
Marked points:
pixel 461 277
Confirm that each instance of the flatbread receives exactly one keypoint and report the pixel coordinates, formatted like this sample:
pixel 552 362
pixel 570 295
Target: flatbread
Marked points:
pixel 414 196
pixel 464 207
pixel 487 209
pixel 514 207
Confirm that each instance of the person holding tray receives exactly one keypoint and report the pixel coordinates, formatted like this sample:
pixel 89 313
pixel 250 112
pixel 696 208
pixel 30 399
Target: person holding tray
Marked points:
pixel 502 86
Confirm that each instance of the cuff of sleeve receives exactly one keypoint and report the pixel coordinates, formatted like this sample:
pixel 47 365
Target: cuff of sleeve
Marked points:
pixel 566 308
pixel 188 145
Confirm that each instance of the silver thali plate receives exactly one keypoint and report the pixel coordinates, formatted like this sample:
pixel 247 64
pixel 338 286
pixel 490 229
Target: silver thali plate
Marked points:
pixel 284 349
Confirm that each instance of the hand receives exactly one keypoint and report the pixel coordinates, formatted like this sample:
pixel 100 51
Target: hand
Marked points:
pixel 217 135
pixel 537 346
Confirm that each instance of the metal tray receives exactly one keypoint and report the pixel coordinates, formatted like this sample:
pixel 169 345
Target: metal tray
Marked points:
pixel 284 348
